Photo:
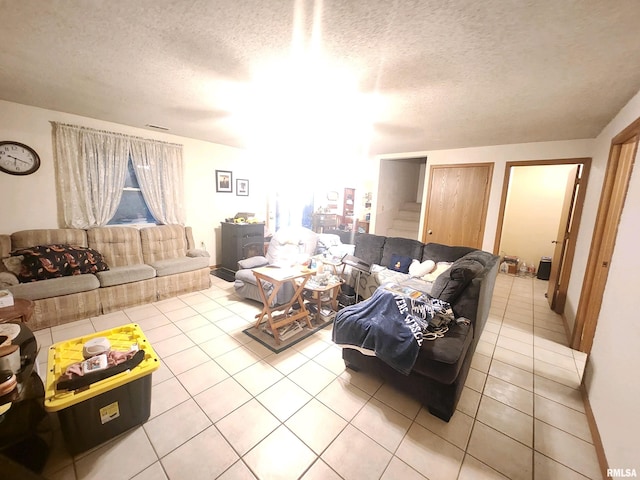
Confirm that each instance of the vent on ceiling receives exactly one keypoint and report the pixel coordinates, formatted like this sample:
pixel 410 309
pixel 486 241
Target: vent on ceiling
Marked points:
pixel 158 127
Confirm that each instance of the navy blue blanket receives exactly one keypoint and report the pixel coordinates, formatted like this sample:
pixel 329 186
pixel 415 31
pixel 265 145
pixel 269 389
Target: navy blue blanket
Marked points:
pixel 390 324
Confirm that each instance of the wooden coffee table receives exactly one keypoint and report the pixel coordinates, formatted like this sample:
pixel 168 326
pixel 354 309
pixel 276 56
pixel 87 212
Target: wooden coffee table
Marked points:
pixel 281 315
pixel 22 310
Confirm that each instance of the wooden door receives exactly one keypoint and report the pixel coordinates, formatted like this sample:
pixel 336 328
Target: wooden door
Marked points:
pixel 614 191
pixel 555 296
pixel 457 202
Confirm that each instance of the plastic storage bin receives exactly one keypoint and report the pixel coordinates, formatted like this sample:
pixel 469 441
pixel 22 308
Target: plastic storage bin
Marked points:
pixel 109 407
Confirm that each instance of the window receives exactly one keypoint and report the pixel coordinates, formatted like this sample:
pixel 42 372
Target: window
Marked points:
pixel 132 208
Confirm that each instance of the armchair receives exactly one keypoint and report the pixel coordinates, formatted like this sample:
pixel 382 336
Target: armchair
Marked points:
pixel 288 246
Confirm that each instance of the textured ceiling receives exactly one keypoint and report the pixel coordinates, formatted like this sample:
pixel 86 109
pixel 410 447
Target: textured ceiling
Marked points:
pixel 446 74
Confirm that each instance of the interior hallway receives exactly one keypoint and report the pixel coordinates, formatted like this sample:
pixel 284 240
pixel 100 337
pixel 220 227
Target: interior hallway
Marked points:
pixel 223 406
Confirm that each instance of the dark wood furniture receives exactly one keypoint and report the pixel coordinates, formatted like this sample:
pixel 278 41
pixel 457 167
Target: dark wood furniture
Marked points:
pixel 22 310
pixel 240 241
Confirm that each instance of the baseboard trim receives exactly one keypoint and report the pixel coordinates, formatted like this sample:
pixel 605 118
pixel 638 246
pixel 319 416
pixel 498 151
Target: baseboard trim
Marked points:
pixel 595 434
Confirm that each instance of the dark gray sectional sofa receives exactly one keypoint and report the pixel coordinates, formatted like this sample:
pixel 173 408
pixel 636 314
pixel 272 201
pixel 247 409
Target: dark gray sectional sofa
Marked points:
pixel 439 374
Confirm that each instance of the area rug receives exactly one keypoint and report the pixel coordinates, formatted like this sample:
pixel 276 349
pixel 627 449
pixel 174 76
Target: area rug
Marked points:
pixel 268 341
pixel 224 274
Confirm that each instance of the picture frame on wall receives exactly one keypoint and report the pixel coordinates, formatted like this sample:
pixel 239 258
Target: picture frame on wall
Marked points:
pixel 224 181
pixel 242 187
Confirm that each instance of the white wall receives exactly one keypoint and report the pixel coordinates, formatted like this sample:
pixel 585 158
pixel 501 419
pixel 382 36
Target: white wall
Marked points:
pixel 31 201
pixel 611 376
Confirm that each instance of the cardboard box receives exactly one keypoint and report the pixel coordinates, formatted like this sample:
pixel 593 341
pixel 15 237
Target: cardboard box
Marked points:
pixel 6 299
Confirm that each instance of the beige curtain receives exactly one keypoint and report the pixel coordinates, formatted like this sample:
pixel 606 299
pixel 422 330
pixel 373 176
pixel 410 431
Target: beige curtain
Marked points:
pixel 91 167
pixel 158 168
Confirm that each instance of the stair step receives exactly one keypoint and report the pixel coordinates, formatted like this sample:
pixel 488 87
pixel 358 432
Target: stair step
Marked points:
pixel 412 206
pixel 402 233
pixel 409 215
pixel 403 224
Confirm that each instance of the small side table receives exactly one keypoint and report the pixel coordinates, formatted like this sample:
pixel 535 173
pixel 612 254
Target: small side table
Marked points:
pixel 278 277
pixel 22 310
pixel 316 292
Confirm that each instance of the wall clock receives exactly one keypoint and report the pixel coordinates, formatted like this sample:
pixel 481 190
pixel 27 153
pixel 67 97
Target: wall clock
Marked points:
pixel 18 158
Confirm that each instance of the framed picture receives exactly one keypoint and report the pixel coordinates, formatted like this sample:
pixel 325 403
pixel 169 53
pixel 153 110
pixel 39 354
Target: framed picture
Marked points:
pixel 242 187
pixel 224 181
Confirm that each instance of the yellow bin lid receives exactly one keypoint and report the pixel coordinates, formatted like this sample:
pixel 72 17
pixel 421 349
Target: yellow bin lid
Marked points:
pixel 63 354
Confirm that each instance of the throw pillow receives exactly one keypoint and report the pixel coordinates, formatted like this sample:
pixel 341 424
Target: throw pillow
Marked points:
pixel 465 269
pixel 417 269
pixel 446 288
pixel 451 284
pixel 441 267
pixel 13 264
pixel 58 260
pixel 400 263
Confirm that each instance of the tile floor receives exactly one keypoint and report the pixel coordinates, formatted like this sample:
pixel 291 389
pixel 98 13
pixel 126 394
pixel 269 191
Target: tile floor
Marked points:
pixel 225 407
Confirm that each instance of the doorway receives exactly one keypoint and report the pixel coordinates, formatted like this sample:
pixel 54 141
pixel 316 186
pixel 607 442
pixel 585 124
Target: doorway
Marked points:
pixel 614 191
pixel 546 199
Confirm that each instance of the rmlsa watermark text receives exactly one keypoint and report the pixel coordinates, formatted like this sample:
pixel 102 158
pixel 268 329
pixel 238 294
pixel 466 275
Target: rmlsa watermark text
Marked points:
pixel 622 473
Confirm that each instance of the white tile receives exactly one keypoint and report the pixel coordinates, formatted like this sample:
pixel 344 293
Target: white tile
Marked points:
pixel 258 377
pixel 398 400
pixel 174 427
pixel 312 377
pixel 154 472
pixel 172 345
pixel 320 471
pixel 511 374
pixel 345 455
pixel 199 378
pixel 167 395
pixel 185 360
pixel 123 457
pixel 222 399
pixel 475 380
pixel 570 378
pixel 194 459
pixel 562 417
pixel 383 424
pixel 219 345
pixel 316 425
pixel 343 398
pixel 469 401
pixel 237 360
pixel 237 471
pixel 524 362
pixel 473 469
pixel 331 359
pixel 430 454
pixel 507 420
pixel 366 381
pixel 280 455
pixel 567 449
pixel 570 397
pixel 287 361
pixel 500 452
pixel 546 468
pixel 509 394
pixel 283 399
pixel 191 323
pixel 456 431
pixel 234 426
pixel 397 469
